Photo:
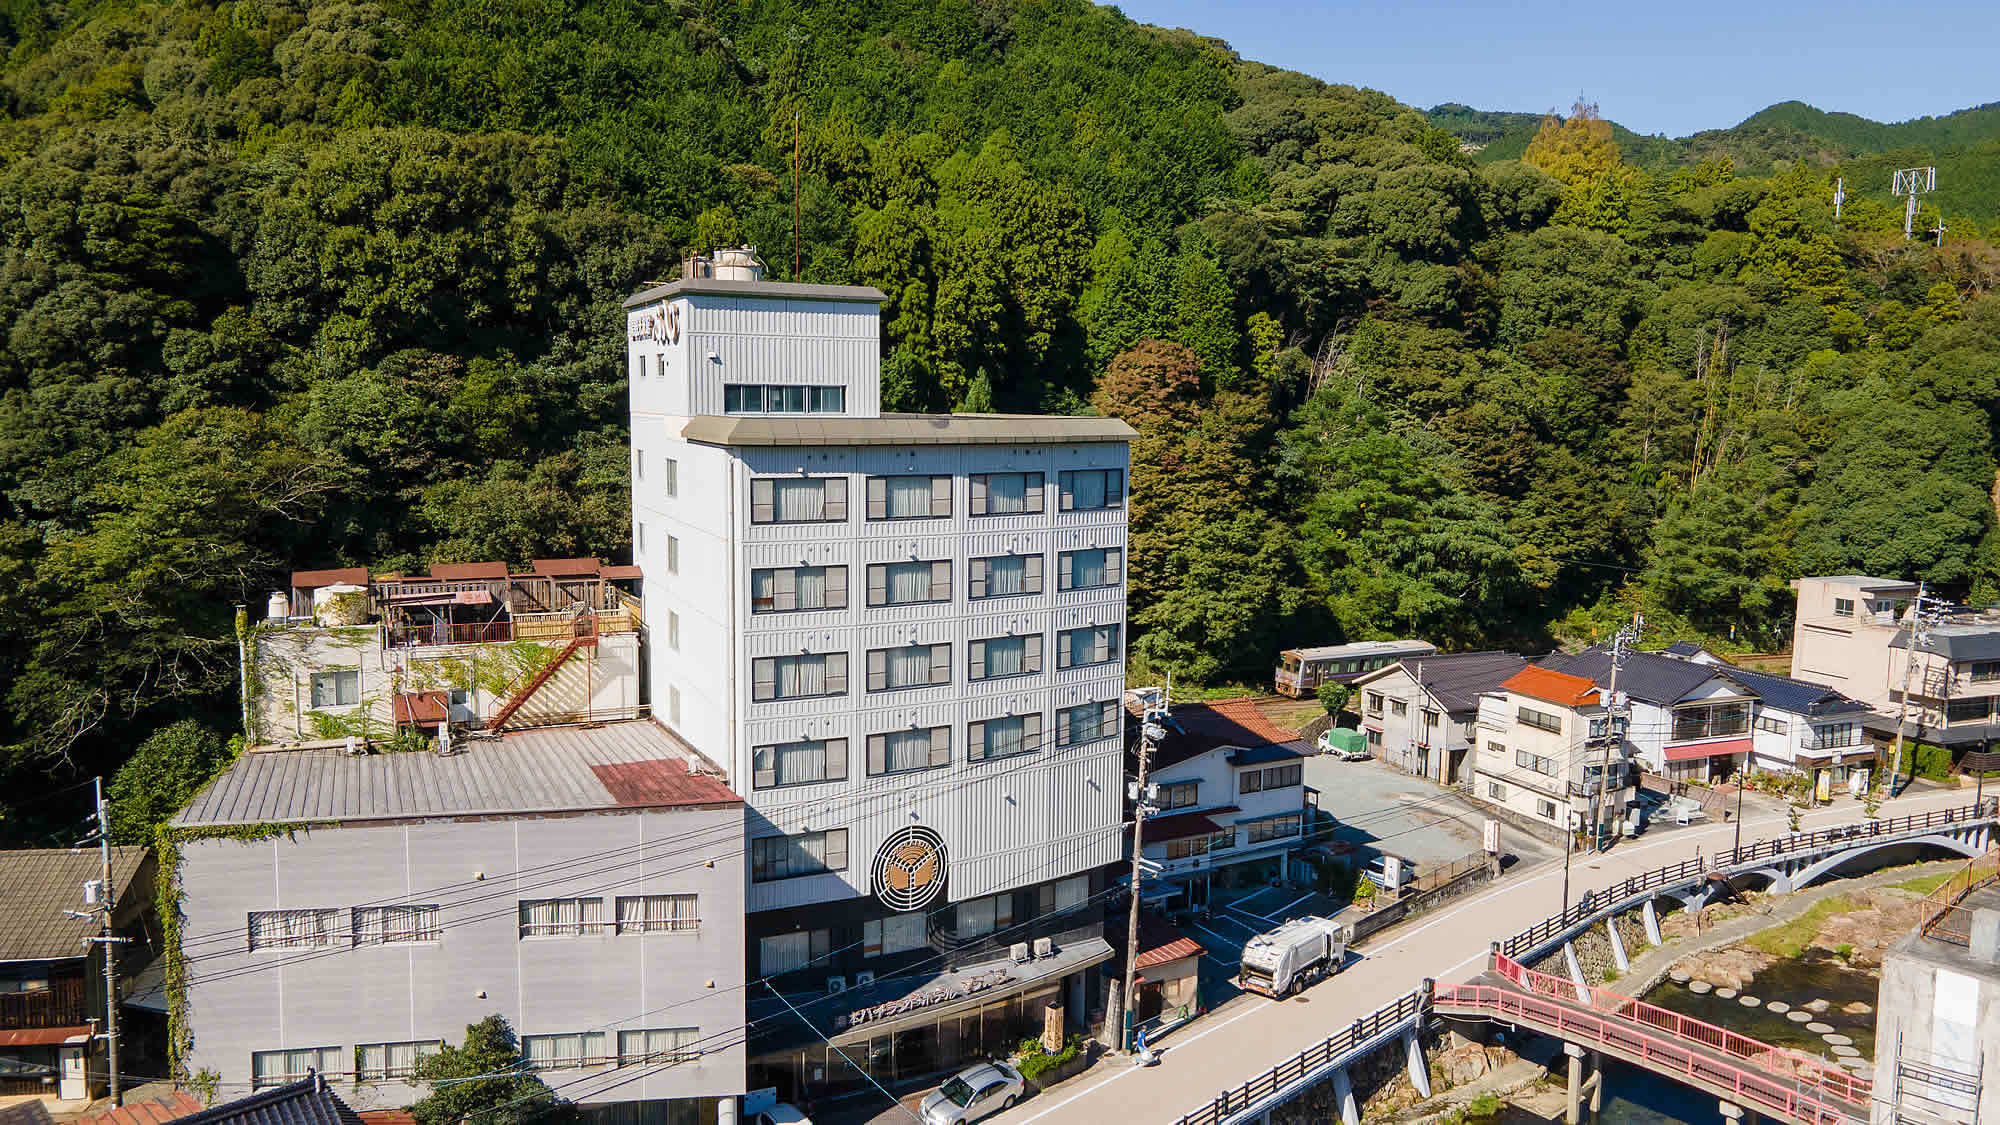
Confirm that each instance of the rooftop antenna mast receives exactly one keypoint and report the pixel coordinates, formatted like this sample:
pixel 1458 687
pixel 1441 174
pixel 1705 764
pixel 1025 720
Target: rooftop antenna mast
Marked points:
pixel 795 195
pixel 1839 197
pixel 1913 182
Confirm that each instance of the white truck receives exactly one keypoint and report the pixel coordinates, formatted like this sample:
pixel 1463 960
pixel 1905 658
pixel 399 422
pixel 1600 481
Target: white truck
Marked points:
pixel 1294 956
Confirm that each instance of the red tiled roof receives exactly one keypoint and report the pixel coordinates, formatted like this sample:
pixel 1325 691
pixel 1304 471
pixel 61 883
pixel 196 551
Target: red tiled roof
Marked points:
pixel 1559 688
pixel 422 707
pixel 314 579
pixel 156 1111
pixel 662 781
pixel 387 1117
pixel 568 567
pixel 41 1036
pixel 1160 942
pixel 1197 728
pixel 1179 826
pixel 1246 714
pixel 468 572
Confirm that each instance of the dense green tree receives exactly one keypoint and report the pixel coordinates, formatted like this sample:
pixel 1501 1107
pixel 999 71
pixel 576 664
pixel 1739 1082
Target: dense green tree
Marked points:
pixel 484 1077
pixel 161 777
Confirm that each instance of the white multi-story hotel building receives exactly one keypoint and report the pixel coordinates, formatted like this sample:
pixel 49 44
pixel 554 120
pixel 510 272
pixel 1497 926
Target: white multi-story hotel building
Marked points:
pixel 904 637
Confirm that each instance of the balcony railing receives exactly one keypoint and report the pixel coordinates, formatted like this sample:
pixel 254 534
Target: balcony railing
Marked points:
pixel 62 1004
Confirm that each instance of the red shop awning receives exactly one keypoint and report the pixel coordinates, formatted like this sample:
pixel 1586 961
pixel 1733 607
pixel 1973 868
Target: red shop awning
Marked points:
pixel 1696 750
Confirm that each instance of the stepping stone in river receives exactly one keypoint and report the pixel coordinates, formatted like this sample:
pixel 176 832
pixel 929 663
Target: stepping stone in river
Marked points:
pixel 1749 1001
pixel 1698 987
pixel 1836 1039
pixel 1725 994
pixel 1680 976
pixel 1818 1028
pixel 1845 1052
pixel 1819 1005
pixel 1798 1017
pixel 1777 1007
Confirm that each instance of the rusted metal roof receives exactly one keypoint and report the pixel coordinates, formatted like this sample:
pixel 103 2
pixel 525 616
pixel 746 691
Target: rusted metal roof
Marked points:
pixel 620 573
pixel 43 1036
pixel 153 1111
pixel 425 708
pixel 568 568
pixel 905 429
pixel 1160 941
pixel 467 572
pixel 339 576
pixel 554 769
pixel 38 884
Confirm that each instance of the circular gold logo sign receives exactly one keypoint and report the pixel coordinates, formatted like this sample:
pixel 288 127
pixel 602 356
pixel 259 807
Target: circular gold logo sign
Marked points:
pixel 910 869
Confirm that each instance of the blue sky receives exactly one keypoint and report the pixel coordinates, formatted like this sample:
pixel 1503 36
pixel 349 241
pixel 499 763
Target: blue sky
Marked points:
pixel 1663 67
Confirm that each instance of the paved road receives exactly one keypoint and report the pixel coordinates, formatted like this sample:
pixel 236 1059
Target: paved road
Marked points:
pixel 1229 1048
pixel 1380 809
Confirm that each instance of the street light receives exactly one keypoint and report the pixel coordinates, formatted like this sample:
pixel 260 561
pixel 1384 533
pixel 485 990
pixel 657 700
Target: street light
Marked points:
pixel 1739 812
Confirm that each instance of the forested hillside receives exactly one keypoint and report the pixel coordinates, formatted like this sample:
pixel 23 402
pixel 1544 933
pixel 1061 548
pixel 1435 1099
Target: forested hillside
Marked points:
pixel 1963 146
pixel 300 286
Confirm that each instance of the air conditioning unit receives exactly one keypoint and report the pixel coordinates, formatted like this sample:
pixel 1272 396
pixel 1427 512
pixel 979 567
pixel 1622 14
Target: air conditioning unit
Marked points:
pixel 864 978
pixel 835 984
pixel 1045 947
pixel 1018 953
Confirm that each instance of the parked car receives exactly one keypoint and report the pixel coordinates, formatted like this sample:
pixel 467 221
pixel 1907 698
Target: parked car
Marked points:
pixel 781 1114
pixel 973 1093
pixel 1378 872
pixel 1347 745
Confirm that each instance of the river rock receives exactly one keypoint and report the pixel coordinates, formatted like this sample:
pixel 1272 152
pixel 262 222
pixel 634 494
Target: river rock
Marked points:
pixel 1858 1008
pixel 1836 1038
pixel 1797 1016
pixel 1679 976
pixel 1749 1001
pixel 1819 1005
pixel 1818 1028
pixel 1699 986
pixel 1777 1007
pixel 1725 994
pixel 1844 1051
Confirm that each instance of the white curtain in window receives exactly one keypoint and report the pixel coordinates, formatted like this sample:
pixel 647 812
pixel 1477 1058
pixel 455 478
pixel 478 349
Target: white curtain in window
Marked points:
pixel 1007 575
pixel 810 586
pixel 1088 490
pixel 910 666
pixel 975 918
pixel 910 582
pixel 555 916
pixel 908 749
pixel 908 497
pixel 1087 568
pixel 1006 656
pixel 784 953
pixel 1003 737
pixel 1006 492
pixel 799 499
pixel 801 762
pixel 801 676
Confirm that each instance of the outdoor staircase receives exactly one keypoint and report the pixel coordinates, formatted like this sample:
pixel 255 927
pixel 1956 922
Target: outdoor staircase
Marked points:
pixel 529 689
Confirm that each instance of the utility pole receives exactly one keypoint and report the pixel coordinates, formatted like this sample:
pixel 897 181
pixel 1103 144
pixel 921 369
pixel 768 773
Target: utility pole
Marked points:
pixel 106 902
pixel 1614 733
pixel 1839 197
pixel 1920 635
pixel 1150 731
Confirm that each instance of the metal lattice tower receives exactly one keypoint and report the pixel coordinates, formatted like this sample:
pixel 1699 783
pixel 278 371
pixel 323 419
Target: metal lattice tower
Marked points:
pixel 1912 182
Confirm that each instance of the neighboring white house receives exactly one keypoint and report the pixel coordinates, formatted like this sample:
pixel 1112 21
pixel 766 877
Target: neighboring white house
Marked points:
pixel 1801 726
pixel 344 915
pixel 1420 713
pixel 1688 720
pixel 1231 798
pixel 1544 736
pixel 903 636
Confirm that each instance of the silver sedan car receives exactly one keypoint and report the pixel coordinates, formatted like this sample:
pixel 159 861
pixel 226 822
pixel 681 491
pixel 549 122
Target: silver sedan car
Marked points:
pixel 975 1092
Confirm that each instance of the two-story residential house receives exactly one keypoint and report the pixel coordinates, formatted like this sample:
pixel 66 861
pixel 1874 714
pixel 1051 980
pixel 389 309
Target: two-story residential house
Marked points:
pixel 903 636
pixel 1544 736
pixel 349 654
pixel 1686 719
pixel 345 915
pixel 52 1000
pixel 1805 727
pixel 1421 713
pixel 1233 806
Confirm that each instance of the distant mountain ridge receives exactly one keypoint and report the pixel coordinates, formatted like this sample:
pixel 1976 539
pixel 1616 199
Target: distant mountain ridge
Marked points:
pixel 1964 145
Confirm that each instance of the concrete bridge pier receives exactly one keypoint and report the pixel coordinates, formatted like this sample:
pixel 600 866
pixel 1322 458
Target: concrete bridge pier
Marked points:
pixel 1575 969
pixel 1618 957
pixel 1652 915
pixel 1581 1088
pixel 1733 1114
pixel 1420 1071
pixel 1343 1092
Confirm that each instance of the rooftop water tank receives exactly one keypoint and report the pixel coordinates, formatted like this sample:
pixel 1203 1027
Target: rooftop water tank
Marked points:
pixel 278 607
pixel 740 264
pixel 341 604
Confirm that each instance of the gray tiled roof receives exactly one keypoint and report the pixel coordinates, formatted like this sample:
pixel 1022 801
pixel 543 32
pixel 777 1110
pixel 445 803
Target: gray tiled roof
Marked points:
pixel 559 769
pixel 305 1102
pixel 779 290
pixel 1456 680
pixel 1957 642
pixel 1643 675
pixel 37 885
pixel 905 429
pixel 1796 696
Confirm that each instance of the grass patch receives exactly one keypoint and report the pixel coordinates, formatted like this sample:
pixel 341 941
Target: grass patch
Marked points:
pixel 1924 884
pixel 1789 939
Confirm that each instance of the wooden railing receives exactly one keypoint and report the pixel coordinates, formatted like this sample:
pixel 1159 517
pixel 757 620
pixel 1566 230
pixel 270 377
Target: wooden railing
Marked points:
pixel 1390 1018
pixel 1782 1061
pixel 63 1003
pixel 1769 1092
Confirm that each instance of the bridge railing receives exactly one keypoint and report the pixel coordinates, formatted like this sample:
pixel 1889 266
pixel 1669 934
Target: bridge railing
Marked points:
pixel 1777 847
pixel 1295 1070
pixel 1772 1094
pixel 1945 919
pixel 1780 1061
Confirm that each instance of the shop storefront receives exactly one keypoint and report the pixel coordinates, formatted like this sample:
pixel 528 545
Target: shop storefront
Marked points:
pixel 1707 763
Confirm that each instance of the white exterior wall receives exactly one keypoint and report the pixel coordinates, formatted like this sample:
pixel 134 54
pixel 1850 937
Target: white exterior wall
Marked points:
pixel 476 871
pixel 1219 789
pixel 1523 789
pixel 765 341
